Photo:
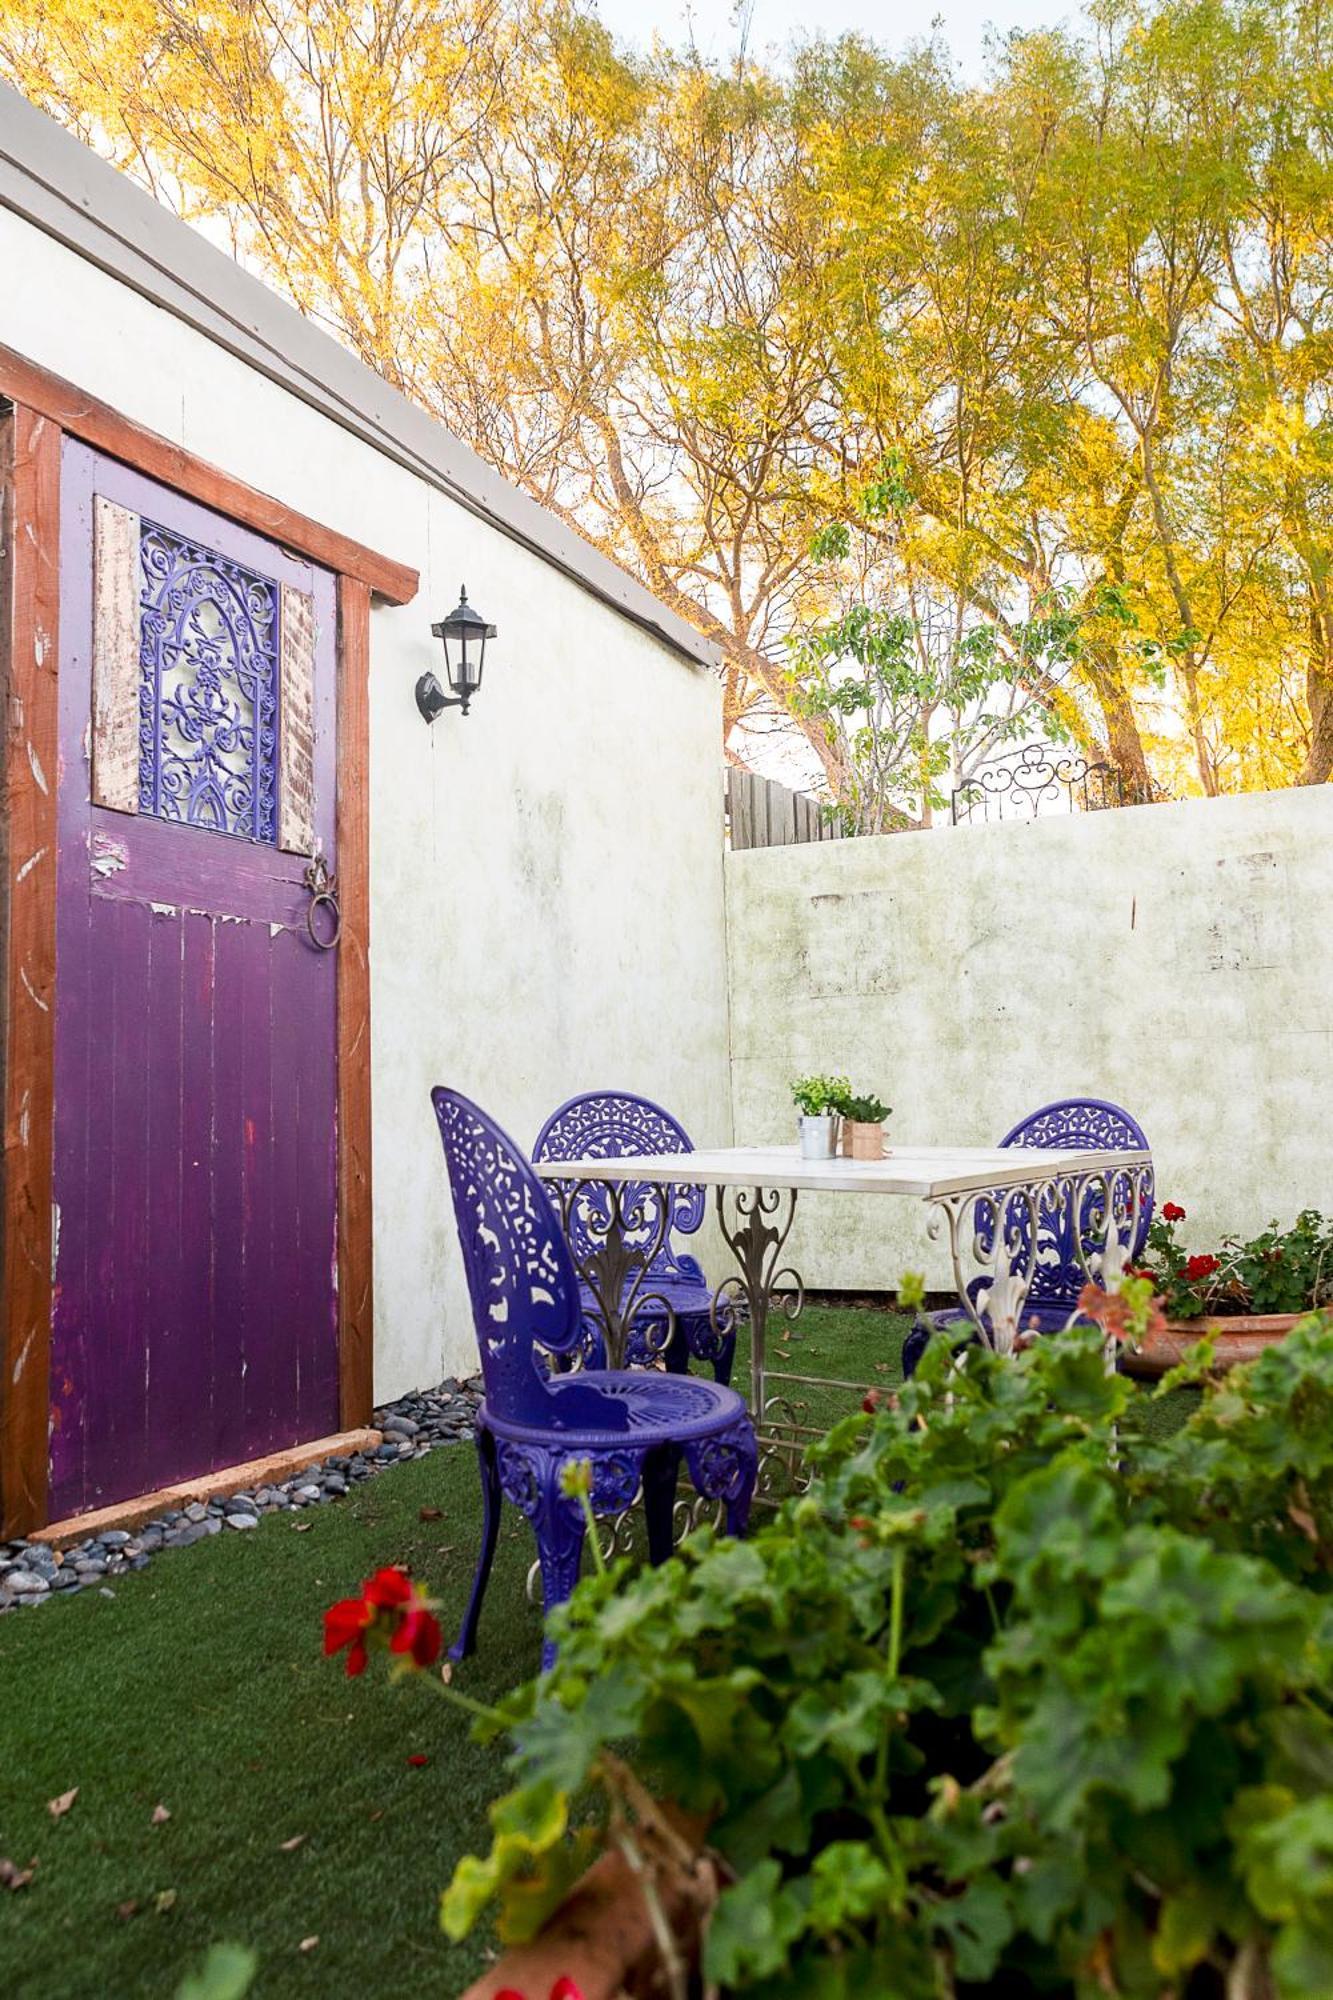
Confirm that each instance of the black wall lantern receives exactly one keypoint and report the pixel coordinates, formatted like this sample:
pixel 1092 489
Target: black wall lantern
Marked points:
pixel 463 635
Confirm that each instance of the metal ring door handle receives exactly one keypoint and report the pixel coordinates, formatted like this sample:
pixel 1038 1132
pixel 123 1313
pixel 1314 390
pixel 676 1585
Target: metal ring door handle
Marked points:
pixel 323 889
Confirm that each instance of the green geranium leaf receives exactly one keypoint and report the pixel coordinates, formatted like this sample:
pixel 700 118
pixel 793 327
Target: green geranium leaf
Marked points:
pixel 227 1973
pixel 1186 1928
pixel 977 1925
pixel 851 1885
pixel 558 1744
pixel 753 1928
pixel 528 1825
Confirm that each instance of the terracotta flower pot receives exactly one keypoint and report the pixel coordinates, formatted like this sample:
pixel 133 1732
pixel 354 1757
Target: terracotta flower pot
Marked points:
pixel 1236 1337
pixel 602 1937
pixel 864 1141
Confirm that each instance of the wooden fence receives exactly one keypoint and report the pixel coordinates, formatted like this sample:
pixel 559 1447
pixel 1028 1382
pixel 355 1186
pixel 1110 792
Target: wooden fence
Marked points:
pixel 761 813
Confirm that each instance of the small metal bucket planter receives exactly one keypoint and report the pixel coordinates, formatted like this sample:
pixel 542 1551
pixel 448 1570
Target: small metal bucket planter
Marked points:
pixel 819 1136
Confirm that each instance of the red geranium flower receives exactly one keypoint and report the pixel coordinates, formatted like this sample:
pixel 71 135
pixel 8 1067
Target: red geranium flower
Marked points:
pixel 419 1635
pixel 345 1624
pixel 564 1989
pixel 391 1610
pixel 1172 1212
pixel 387 1588
pixel 1197 1268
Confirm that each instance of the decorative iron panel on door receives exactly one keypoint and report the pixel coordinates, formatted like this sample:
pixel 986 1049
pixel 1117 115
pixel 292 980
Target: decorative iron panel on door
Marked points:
pixel 195 1308
pixel 208 688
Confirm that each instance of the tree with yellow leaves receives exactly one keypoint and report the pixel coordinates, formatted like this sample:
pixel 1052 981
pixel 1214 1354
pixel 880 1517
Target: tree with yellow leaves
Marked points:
pixel 1085 311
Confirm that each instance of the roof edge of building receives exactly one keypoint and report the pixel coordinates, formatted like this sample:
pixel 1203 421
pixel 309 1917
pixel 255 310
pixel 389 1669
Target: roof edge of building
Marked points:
pixel 60 186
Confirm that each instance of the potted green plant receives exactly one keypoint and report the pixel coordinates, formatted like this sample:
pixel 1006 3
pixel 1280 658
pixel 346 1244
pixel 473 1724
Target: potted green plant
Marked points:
pixel 863 1127
pixel 1244 1296
pixel 1047 1716
pixel 818 1099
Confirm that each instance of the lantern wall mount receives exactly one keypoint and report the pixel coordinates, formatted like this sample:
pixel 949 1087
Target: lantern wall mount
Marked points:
pixel 463 634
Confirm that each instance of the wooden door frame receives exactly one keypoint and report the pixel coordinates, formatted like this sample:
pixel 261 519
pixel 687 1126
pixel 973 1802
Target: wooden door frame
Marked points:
pixel 37 411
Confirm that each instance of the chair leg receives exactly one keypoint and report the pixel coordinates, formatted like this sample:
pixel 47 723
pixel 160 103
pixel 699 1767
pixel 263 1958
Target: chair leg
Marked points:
pixel 676 1354
pixel 725 1467
pixel 560 1530
pixel 661 1469
pixel 915 1345
pixel 702 1343
pixel 466 1641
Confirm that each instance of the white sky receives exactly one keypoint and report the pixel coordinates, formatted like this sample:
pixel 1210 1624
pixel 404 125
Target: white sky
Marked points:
pixel 777 22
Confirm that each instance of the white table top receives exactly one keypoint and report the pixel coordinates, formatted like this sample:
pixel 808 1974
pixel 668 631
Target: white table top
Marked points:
pixel 920 1170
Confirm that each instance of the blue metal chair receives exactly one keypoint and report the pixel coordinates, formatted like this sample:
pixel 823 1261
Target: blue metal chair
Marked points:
pixel 606 1125
pixel 1084 1124
pixel 632 1426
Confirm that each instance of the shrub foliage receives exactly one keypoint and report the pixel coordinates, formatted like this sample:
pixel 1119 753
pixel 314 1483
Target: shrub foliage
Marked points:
pixel 1017 1698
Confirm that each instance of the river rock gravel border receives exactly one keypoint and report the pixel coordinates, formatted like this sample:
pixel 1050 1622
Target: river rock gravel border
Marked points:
pixel 32 1573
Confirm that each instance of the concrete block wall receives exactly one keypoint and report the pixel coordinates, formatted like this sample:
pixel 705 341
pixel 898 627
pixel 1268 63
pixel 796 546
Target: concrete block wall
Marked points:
pixel 1172 958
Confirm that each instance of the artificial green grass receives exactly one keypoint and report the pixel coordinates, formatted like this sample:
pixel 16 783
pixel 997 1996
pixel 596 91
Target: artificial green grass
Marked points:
pixel 864 1344
pixel 200 1687
pixel 852 1344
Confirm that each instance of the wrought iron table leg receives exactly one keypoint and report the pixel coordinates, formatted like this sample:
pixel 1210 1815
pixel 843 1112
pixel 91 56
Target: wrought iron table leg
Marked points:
pixel 1106 1209
pixel 625 1230
pixel 756 1223
pixel 996 1230
pixel 756 1232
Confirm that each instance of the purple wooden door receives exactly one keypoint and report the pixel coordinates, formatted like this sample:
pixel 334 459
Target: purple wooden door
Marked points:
pixel 195 1307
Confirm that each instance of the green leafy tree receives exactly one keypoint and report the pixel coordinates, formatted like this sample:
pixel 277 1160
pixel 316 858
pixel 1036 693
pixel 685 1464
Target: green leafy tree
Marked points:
pixel 917 687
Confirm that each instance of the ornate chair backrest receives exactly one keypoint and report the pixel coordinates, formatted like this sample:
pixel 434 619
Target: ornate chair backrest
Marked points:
pixel 1089 1125
pixel 608 1125
pixel 520 1275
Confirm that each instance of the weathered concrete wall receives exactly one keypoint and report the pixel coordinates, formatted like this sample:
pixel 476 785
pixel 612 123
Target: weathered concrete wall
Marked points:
pixel 1172 958
pixel 546 875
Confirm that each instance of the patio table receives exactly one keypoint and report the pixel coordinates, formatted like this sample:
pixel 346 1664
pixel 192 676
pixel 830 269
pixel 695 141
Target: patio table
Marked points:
pixel 986 1200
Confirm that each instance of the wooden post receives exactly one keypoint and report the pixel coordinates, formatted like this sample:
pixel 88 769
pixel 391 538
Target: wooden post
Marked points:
pixel 29 646
pixel 356 1289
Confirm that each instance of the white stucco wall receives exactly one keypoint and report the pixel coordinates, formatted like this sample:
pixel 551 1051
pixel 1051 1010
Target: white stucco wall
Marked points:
pixel 546 875
pixel 1171 958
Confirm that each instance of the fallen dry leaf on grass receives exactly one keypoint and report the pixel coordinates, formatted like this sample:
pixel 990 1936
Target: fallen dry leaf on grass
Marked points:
pixel 302 1527
pixel 164 1900
pixel 59 1807
pixel 14 1877
pixel 160 1815
pixel 308 1944
pixel 127 1910
pixel 431 1514
pixel 290 1846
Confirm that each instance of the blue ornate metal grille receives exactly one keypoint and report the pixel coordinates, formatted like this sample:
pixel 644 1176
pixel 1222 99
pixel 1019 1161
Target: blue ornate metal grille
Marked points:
pixel 208 688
